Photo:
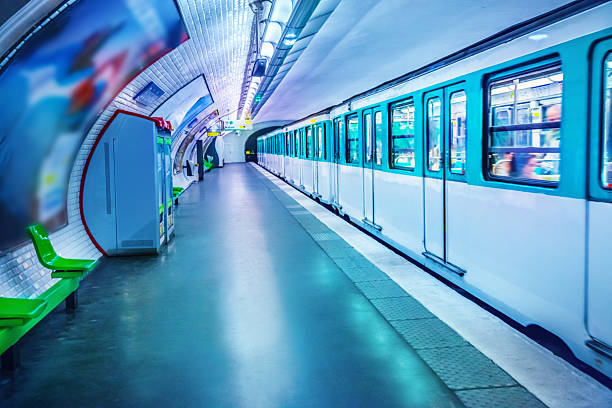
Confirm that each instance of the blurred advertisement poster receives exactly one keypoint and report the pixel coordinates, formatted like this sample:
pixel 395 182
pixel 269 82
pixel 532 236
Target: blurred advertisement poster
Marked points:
pixel 56 85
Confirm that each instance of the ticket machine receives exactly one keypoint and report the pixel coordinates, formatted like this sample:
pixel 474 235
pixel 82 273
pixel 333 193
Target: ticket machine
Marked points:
pixel 127 188
pixel 168 197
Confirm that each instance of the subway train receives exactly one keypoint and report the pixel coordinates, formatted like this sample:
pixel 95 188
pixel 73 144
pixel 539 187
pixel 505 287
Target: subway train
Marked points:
pixel 494 170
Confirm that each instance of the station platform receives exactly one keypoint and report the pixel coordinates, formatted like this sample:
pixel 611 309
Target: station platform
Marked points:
pixel 266 299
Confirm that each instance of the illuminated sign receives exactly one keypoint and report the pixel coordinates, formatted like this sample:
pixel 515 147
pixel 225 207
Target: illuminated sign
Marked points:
pixel 237 125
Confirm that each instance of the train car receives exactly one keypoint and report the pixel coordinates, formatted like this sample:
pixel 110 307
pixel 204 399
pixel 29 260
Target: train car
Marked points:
pixel 494 171
pixel 301 155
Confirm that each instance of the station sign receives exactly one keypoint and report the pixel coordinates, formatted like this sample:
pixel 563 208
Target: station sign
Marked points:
pixel 237 125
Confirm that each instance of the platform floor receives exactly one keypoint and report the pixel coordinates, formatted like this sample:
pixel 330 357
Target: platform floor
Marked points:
pixel 244 309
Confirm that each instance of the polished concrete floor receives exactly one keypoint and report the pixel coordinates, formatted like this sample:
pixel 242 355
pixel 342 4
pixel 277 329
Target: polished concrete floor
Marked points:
pixel 244 309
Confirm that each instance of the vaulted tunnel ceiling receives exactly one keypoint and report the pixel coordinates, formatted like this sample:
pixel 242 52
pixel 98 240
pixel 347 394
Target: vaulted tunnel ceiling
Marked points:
pixel 346 47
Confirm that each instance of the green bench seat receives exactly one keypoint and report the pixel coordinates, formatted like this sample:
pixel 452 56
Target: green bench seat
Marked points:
pixel 176 192
pixel 18 316
pixel 17 312
pixel 61 267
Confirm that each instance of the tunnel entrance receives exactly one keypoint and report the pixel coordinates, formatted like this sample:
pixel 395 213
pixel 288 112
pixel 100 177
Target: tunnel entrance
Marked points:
pixel 250 146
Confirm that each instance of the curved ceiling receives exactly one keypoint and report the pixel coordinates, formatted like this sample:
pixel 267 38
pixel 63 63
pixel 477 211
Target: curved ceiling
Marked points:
pixel 367 42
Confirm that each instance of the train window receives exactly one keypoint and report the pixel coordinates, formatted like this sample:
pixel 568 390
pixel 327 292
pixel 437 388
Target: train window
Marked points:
pixel 352 138
pixel 320 142
pixel 525 127
pixel 301 142
pixel 458 132
pixel 378 131
pixel 367 125
pixel 606 166
pixel 434 133
pixel 402 135
pixel 308 142
pixel 338 130
pixel 287 143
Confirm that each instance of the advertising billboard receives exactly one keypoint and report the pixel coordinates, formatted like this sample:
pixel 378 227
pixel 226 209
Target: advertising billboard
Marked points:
pixel 53 89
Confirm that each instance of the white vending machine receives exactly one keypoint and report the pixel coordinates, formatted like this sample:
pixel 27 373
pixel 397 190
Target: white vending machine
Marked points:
pixel 126 195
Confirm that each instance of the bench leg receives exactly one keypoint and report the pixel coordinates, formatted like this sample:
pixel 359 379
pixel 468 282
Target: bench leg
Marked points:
pixel 11 358
pixel 72 301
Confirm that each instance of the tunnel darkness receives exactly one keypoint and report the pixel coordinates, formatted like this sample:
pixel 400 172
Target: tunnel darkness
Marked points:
pixel 251 143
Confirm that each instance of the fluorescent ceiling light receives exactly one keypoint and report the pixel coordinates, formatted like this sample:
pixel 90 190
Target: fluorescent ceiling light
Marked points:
pixel 290 39
pixel 538 37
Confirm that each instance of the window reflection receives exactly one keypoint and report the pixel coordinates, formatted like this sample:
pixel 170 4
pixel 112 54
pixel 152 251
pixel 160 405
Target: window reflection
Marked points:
pixel 402 135
pixel 525 126
pixel 367 119
pixel 320 142
pixel 378 131
pixel 352 139
pixel 458 132
pixel 308 142
pixel 607 124
pixel 434 133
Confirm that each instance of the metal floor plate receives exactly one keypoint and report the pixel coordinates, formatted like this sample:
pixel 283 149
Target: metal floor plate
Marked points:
pixel 428 333
pixel 401 308
pixel 465 367
pixel 380 289
pixel 365 274
pixel 324 236
pixel 515 397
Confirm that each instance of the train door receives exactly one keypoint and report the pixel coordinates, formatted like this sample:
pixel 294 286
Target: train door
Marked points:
pixel 437 171
pixel 434 182
pixel 296 158
pixel 371 132
pixel 335 171
pixel 284 144
pixel 599 222
pixel 301 160
pixel 368 167
pixel 318 152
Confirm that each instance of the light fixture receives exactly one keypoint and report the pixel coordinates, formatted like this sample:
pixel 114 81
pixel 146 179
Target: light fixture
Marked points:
pixel 290 39
pixel 538 37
